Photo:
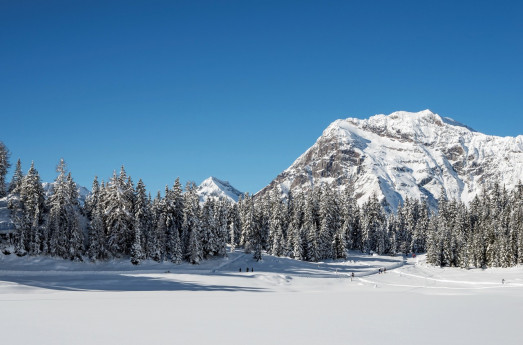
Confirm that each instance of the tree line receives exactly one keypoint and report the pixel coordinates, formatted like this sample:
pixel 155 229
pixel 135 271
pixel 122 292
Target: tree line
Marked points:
pixel 121 219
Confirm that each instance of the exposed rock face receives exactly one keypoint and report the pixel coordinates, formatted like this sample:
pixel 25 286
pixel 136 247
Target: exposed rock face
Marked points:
pixel 404 154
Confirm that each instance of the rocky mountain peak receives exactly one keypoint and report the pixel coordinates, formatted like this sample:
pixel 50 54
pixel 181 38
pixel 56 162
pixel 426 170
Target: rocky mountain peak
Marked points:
pixel 405 154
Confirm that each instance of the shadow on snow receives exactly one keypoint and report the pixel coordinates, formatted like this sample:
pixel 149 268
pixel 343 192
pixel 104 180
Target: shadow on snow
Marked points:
pixel 118 282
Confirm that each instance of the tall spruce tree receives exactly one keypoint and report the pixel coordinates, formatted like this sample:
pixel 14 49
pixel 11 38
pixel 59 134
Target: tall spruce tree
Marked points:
pixel 63 223
pixel 192 225
pixel 4 167
pixel 28 215
pixel 16 181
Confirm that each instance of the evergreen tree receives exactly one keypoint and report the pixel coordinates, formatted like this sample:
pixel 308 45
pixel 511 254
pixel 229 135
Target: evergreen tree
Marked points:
pixel 93 199
pixel 247 216
pixel 221 214
pixel 209 227
pixel 154 235
pixel 118 206
pixel 350 219
pixel 372 223
pixel 234 226
pixel 63 224
pixel 295 235
pixel 16 181
pixel 4 167
pixel 137 252
pixel 27 213
pixel 275 223
pixel 310 229
pixel 97 242
pixel 191 224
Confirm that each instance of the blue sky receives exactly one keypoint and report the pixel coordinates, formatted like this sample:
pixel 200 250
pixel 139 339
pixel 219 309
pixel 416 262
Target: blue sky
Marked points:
pixel 239 89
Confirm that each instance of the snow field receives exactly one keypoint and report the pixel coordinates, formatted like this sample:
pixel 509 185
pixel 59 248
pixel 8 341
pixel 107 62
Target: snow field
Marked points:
pixel 283 301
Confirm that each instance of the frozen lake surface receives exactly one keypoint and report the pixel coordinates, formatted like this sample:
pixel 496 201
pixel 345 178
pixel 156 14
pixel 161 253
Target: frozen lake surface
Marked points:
pixel 50 301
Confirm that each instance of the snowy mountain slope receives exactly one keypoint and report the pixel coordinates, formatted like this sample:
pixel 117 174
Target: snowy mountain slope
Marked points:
pixel 213 187
pixel 403 155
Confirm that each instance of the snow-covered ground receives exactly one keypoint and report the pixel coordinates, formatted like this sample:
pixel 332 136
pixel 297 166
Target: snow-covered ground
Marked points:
pixel 283 301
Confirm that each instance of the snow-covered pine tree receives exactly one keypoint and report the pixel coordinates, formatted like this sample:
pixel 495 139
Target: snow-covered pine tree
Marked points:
pixel 373 221
pixel 76 233
pixel 459 237
pixel 350 218
pixel 310 228
pixel 36 233
pixel 4 167
pixel 419 235
pixel 247 215
pixel 221 214
pixel 262 215
pixel 446 217
pixel 517 221
pixel 29 209
pixel 137 252
pixel 155 235
pixel 208 228
pixel 176 198
pixel 234 225
pixel 191 224
pixel 295 235
pixel 142 217
pixel 118 206
pixel 402 243
pixel 63 223
pixel 434 250
pixel 257 247
pixel 276 243
pixel 92 199
pixel 329 215
pixel 177 254
pixel 391 225
pixel 16 181
pixel 167 210
pixel 194 247
pixel 97 242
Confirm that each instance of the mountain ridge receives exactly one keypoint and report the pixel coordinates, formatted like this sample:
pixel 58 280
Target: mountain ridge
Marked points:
pixel 405 154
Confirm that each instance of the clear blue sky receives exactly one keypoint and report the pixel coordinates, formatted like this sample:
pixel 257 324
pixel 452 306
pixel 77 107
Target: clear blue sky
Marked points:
pixel 239 89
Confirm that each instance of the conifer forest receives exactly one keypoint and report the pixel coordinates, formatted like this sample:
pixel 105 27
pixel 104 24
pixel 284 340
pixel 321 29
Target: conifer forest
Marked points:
pixel 121 219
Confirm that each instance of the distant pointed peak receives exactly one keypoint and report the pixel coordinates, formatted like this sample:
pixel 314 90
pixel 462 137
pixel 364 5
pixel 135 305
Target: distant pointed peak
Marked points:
pixel 212 179
pixel 217 188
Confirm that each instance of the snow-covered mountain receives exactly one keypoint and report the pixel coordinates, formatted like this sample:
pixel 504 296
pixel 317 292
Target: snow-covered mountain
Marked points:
pixel 403 155
pixel 213 187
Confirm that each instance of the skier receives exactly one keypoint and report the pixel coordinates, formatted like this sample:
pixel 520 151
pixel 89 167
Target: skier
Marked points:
pixel 247 269
pixel 503 281
pixel 240 269
pixel 252 269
